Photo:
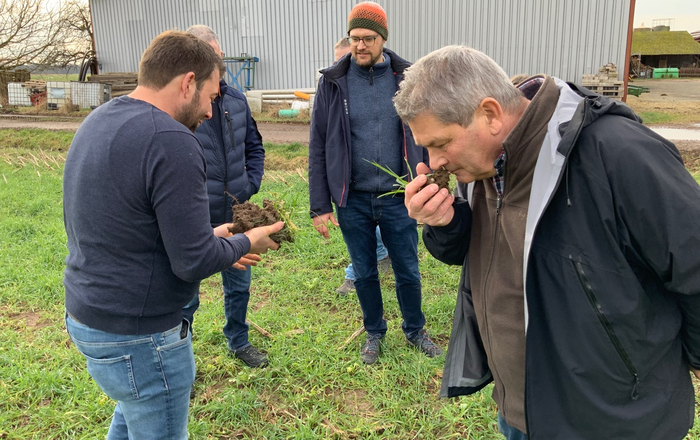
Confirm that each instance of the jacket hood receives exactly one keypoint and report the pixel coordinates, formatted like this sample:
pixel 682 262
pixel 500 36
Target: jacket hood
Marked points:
pixel 341 67
pixel 593 107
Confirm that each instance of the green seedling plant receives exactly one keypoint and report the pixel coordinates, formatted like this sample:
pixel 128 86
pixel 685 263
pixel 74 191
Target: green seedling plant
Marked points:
pixel 401 181
pixel 441 177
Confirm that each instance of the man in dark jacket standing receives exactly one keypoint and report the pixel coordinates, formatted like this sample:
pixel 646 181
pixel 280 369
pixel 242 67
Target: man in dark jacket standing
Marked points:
pixel 235 159
pixel 354 123
pixel 139 239
pixel 577 229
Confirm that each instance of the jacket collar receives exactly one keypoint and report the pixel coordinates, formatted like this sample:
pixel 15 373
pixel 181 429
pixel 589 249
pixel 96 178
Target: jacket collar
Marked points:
pixel 340 68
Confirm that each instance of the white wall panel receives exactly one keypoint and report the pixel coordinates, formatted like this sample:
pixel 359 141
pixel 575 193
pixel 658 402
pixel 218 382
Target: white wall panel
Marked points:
pixel 294 38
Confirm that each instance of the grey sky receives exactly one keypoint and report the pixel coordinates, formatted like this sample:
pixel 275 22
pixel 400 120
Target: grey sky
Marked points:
pixel 686 13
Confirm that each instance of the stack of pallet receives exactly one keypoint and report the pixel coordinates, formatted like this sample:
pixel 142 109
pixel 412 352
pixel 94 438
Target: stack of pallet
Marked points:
pixel 6 77
pixel 122 83
pixel 605 82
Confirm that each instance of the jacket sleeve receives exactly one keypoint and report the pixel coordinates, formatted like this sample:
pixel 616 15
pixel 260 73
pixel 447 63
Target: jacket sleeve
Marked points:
pixel 659 204
pixel 254 152
pixel 177 189
pixel 319 192
pixel 466 368
pixel 450 243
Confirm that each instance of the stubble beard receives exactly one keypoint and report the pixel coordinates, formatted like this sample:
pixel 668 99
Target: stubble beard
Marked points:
pixel 189 115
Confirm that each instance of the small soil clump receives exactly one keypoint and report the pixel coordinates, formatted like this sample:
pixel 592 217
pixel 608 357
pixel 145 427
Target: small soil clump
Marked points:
pixel 441 177
pixel 247 216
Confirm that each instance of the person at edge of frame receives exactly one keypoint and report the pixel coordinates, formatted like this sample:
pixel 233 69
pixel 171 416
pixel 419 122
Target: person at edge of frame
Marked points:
pixel 577 231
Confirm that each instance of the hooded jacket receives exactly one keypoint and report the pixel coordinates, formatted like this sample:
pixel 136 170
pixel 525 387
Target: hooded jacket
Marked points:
pixel 330 157
pixel 234 169
pixel 611 275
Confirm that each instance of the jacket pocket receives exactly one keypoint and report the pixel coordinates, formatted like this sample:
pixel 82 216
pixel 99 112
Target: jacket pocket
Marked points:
pixel 607 326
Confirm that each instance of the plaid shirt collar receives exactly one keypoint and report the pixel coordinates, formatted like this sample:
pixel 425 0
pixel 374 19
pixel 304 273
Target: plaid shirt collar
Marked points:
pixel 500 166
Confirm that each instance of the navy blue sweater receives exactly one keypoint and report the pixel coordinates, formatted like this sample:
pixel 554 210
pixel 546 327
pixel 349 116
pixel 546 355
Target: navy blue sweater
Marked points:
pixel 137 219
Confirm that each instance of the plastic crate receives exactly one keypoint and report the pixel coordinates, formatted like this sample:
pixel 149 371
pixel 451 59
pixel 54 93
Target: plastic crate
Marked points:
pixel 17 94
pixel 57 94
pixel 90 94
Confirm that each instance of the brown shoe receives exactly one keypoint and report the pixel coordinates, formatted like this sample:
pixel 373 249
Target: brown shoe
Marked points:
pixel 347 287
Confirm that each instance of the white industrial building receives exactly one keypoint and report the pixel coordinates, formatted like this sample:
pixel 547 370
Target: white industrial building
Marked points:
pixel 292 39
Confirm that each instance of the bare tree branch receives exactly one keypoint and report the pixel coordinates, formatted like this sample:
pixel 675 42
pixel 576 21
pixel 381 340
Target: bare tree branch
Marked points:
pixel 32 33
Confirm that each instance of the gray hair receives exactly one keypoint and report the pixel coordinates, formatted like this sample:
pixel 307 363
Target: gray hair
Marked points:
pixel 203 32
pixel 450 83
pixel 342 43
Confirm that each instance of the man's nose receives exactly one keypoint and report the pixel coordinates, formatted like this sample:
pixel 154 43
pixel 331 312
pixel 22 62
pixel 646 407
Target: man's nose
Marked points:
pixel 436 161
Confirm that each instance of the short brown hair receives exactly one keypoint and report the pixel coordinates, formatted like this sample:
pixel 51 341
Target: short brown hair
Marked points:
pixel 173 53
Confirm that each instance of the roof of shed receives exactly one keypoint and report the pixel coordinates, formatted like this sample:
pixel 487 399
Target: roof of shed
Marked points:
pixel 664 43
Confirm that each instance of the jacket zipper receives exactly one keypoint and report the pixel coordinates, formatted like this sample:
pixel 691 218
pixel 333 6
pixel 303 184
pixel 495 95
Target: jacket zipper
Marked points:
pixel 345 176
pixel 487 283
pixel 583 280
pixel 230 133
pixel 371 76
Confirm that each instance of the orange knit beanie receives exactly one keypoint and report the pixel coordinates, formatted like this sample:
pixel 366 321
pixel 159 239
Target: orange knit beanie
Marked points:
pixel 368 15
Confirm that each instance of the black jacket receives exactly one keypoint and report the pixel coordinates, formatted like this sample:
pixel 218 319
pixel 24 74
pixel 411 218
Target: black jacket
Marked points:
pixel 612 277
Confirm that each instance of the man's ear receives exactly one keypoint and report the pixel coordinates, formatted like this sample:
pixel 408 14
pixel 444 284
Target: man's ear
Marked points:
pixel 188 85
pixel 493 113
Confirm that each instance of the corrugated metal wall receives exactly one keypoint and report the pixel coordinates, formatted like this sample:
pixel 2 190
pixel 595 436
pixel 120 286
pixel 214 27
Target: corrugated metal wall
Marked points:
pixel 294 38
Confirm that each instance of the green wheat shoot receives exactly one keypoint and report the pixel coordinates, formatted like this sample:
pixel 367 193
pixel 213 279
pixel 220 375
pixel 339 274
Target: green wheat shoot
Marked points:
pixel 401 181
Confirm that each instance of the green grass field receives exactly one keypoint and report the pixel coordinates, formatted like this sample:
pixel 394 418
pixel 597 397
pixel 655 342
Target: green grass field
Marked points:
pixel 313 389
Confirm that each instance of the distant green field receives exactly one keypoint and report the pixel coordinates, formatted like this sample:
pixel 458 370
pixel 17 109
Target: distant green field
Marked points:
pixel 55 77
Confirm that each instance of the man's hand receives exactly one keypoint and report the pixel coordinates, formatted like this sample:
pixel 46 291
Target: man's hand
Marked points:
pixel 222 230
pixel 695 371
pixel 247 260
pixel 430 205
pixel 321 223
pixel 260 240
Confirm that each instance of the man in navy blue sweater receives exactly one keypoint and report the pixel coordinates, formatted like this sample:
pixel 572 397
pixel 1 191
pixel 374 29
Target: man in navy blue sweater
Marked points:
pixel 354 123
pixel 139 239
pixel 235 159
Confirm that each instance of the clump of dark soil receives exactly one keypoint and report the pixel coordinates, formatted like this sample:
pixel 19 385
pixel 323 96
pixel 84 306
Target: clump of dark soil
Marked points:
pixel 441 177
pixel 247 216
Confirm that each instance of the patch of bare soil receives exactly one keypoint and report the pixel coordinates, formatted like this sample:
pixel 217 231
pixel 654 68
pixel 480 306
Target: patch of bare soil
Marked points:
pixel 691 157
pixel 247 216
pixel 31 320
pixel 441 177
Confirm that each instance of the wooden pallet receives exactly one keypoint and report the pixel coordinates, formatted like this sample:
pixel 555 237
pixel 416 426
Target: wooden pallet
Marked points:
pixel 122 83
pixel 34 84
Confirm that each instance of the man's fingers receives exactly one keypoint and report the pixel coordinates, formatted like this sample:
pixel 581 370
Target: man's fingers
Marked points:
pixel 276 227
pixel 414 186
pixel 422 168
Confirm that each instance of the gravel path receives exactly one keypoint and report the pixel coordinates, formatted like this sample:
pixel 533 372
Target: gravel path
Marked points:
pixel 275 133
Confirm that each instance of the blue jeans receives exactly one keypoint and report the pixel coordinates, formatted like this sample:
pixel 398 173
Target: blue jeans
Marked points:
pixel 236 296
pixel 149 376
pixel 358 221
pixel 382 253
pixel 509 432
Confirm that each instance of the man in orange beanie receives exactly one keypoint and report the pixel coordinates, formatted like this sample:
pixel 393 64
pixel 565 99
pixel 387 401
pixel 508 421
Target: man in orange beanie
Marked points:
pixel 353 124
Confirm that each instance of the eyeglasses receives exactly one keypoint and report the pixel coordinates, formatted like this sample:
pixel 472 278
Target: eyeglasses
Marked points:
pixel 369 41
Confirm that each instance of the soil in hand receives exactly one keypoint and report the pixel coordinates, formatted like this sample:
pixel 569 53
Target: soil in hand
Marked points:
pixel 247 216
pixel 441 177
